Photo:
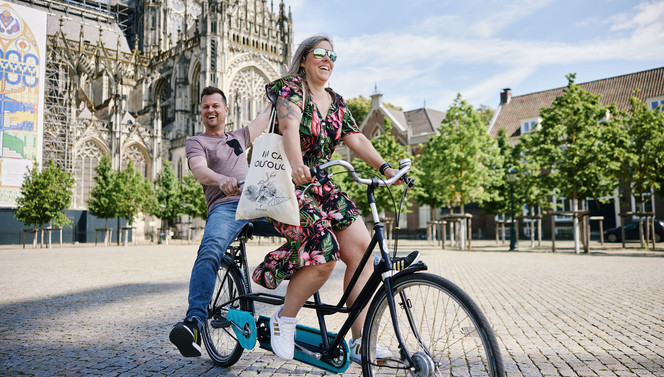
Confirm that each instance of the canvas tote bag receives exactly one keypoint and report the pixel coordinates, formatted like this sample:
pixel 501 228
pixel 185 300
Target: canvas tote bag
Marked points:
pixel 269 190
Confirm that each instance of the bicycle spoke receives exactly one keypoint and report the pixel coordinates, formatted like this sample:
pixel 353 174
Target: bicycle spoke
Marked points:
pixel 220 340
pixel 439 332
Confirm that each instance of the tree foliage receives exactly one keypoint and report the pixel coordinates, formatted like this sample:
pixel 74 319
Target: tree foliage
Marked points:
pixel 457 166
pixel 132 193
pixel 486 113
pixel 104 195
pixel 359 107
pixel 573 153
pixel 44 196
pixel 168 195
pixel 642 132
pixel 499 202
pixel 193 197
pixel 392 152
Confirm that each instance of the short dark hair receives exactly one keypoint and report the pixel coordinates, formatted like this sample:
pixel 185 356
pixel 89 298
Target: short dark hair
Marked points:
pixel 212 90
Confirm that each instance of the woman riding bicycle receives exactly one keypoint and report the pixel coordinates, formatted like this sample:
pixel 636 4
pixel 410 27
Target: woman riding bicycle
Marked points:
pixel 313 121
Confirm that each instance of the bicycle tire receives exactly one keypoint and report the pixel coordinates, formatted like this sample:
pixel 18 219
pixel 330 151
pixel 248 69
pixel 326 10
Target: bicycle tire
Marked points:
pixel 220 340
pixel 455 338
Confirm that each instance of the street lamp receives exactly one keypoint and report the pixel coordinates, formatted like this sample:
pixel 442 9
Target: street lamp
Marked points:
pixel 511 177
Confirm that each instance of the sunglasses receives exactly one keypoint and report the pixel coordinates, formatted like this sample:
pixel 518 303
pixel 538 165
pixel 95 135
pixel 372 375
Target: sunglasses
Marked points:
pixel 319 53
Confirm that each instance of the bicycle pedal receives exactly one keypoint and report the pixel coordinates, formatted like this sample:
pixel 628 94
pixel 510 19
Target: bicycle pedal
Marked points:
pixel 220 323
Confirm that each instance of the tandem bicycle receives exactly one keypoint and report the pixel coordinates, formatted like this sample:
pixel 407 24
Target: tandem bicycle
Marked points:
pixel 430 326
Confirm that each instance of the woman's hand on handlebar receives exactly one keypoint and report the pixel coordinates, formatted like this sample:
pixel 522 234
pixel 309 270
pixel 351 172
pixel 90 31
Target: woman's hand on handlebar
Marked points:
pixel 301 175
pixel 391 172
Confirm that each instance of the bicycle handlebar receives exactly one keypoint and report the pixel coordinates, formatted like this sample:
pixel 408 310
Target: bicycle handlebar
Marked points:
pixel 322 176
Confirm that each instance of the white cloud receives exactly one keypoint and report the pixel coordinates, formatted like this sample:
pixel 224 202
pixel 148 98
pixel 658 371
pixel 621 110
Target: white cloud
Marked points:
pixel 648 14
pixel 430 59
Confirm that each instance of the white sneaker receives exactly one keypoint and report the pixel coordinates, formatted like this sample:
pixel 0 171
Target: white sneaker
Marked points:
pixel 355 346
pixel 282 336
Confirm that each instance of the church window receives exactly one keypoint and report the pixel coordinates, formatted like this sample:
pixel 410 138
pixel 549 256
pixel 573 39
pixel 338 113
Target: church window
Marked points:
pixel 247 88
pixel 85 163
pixel 138 157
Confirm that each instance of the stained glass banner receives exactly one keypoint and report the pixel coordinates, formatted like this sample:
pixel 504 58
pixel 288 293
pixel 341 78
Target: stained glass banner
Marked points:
pixel 22 76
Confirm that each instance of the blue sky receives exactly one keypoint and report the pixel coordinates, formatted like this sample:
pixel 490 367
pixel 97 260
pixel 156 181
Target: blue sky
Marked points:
pixel 430 50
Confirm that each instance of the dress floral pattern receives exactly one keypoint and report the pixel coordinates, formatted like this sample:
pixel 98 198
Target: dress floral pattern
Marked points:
pixel 323 209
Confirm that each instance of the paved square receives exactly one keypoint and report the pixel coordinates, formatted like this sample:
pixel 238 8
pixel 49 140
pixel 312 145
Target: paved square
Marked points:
pixel 81 310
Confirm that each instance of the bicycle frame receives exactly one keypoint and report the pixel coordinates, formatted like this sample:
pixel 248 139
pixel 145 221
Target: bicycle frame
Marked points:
pixel 383 273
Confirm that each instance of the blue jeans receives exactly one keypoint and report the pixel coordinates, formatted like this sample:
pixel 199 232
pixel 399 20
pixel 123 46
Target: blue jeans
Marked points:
pixel 221 229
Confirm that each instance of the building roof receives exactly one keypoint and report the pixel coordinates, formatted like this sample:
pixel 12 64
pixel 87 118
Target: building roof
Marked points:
pixel 424 121
pixel 399 121
pixel 616 89
pixel 413 123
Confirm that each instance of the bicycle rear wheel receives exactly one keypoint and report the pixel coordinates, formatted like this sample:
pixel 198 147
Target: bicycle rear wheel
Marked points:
pixel 443 330
pixel 220 340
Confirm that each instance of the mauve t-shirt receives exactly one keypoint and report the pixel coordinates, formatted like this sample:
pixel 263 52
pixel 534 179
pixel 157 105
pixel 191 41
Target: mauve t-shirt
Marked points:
pixel 225 154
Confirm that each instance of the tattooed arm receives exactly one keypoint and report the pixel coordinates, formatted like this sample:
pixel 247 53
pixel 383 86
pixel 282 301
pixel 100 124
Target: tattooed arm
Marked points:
pixel 289 116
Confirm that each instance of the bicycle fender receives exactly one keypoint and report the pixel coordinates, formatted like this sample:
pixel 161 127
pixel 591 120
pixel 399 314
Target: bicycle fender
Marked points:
pixel 243 321
pixel 419 266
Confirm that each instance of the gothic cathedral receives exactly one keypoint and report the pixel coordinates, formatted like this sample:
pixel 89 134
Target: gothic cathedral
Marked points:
pixel 124 77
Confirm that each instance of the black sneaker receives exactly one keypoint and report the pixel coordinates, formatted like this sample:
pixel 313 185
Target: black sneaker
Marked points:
pixel 186 336
pixel 401 263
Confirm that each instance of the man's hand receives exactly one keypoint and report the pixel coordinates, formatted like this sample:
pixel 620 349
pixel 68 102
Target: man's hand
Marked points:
pixel 228 186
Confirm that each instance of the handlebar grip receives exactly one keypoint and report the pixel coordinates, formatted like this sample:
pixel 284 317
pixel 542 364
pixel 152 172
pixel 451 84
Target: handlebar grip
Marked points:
pixel 320 174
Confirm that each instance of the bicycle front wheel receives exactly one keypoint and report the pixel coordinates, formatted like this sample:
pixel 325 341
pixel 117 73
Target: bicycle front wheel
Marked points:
pixel 220 341
pixel 443 330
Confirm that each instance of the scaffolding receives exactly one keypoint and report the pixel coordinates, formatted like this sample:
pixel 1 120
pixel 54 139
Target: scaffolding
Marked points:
pixel 58 138
pixel 121 12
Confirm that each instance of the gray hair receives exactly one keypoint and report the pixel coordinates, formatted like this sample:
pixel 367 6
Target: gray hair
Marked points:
pixel 303 49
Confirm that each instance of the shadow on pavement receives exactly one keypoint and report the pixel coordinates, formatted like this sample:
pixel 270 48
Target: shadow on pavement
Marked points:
pixel 23 312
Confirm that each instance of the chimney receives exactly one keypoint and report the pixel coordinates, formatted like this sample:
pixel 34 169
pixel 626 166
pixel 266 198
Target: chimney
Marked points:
pixel 505 96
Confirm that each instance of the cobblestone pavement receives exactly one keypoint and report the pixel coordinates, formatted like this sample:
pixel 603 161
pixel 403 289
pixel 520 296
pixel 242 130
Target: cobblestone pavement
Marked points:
pixel 81 310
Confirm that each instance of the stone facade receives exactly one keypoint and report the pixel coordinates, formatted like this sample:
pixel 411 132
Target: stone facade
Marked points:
pixel 125 78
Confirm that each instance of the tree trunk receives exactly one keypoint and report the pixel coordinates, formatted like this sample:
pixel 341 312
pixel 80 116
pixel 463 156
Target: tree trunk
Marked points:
pixel 575 225
pixel 462 231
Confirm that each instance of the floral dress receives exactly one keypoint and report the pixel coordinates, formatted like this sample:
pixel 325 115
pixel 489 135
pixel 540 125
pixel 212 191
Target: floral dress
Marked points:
pixel 323 209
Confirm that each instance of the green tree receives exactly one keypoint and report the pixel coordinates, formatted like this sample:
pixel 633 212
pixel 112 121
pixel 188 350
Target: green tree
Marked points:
pixel 499 203
pixel 104 195
pixel 393 152
pixel 486 113
pixel 359 107
pixel 193 197
pixel 44 196
pixel 131 193
pixel 150 204
pixel 457 166
pixel 641 144
pixel 573 149
pixel 168 196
